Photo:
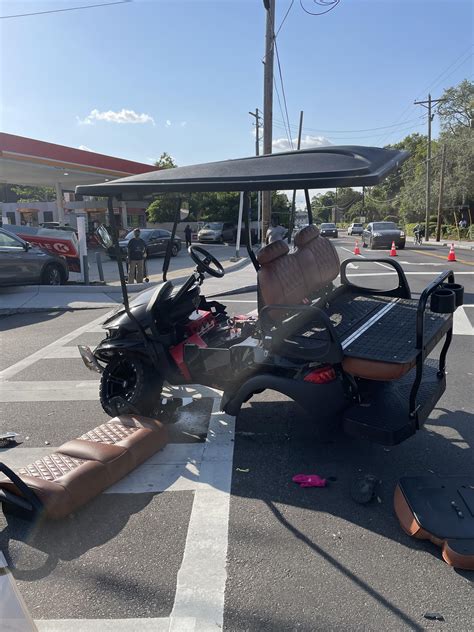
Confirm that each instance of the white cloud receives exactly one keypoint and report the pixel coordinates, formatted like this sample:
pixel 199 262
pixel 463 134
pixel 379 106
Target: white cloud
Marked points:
pixel 168 123
pixel 84 148
pixel 183 123
pixel 123 116
pixel 282 144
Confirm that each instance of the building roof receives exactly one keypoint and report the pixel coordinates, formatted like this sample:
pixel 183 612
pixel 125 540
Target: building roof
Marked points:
pixel 37 163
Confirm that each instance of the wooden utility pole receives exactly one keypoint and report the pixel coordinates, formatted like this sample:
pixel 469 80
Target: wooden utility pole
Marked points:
pixel 293 202
pixel 440 198
pixel 268 104
pixel 256 114
pixel 427 104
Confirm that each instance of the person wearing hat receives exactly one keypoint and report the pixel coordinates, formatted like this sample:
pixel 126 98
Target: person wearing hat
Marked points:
pixel 136 257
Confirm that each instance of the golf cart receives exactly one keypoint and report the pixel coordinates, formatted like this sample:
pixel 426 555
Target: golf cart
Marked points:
pixel 357 356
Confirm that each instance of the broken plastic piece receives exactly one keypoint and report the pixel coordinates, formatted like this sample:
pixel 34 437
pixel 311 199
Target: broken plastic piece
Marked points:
pixel 8 439
pixel 242 469
pixel 433 616
pixel 363 488
pixel 309 480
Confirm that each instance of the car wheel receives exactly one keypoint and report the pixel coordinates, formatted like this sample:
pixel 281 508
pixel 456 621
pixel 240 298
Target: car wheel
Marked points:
pixel 53 275
pixel 128 386
pixel 174 250
pixel 371 244
pixel 401 246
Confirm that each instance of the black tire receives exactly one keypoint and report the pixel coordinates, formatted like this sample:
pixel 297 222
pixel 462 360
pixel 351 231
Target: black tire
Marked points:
pixel 401 246
pixel 174 250
pixel 53 274
pixel 371 244
pixel 134 382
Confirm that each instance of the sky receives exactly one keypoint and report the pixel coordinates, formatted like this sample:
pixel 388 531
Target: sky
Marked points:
pixel 139 78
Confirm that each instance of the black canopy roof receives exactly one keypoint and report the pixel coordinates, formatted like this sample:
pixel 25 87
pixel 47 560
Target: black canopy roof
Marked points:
pixel 322 167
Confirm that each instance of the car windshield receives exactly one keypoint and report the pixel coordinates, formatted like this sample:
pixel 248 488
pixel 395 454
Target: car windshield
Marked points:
pixel 213 226
pixel 144 234
pixel 328 225
pixel 385 226
pixel 357 225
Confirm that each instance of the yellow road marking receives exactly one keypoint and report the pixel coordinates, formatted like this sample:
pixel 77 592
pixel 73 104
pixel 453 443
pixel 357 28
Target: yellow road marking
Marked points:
pixel 430 254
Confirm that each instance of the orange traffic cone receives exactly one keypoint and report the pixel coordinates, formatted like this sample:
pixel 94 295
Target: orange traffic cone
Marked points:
pixel 393 250
pixel 452 254
pixel 357 249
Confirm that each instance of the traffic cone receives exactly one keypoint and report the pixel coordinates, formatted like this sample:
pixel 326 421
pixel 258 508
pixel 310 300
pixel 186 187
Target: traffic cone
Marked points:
pixel 452 254
pixel 357 249
pixel 393 250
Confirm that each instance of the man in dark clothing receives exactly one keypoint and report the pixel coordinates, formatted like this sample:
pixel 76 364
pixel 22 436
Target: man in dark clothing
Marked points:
pixel 136 257
pixel 187 235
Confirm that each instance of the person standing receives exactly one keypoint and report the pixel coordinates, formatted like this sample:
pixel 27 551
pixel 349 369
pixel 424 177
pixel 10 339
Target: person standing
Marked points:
pixel 275 231
pixel 187 235
pixel 136 257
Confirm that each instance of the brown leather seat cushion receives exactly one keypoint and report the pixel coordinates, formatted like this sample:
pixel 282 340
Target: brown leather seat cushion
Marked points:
pixel 84 467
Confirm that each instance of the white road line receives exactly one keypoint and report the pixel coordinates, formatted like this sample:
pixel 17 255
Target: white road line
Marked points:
pixel 40 354
pixel 62 352
pixel 103 625
pixel 14 615
pixel 378 263
pixel 55 391
pixel 199 599
pixel 461 323
pixel 433 272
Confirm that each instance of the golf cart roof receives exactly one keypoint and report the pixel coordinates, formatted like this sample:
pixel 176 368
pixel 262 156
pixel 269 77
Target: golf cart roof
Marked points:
pixel 322 167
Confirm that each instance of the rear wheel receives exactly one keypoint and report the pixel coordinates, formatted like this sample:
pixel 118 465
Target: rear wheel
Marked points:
pixel 53 274
pixel 129 386
pixel 174 250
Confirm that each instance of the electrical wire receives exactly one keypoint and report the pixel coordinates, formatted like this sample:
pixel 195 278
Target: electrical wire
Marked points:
pixel 368 129
pixel 89 6
pixel 284 19
pixel 287 132
pixel 333 4
pixel 283 92
pixel 356 137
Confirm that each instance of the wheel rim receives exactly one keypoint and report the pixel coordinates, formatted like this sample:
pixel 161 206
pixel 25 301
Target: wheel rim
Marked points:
pixel 121 381
pixel 54 276
pixel 174 251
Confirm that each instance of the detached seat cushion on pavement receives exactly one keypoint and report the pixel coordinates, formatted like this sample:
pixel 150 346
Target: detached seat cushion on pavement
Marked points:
pixel 83 468
pixel 377 333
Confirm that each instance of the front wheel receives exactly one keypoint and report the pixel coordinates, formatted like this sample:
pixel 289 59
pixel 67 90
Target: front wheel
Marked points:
pixel 371 244
pixel 174 250
pixel 129 386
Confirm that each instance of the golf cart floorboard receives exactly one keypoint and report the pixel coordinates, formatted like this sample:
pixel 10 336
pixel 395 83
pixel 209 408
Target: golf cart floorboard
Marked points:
pixel 383 414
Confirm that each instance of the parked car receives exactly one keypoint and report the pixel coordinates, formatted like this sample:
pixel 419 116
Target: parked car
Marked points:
pixel 217 232
pixel 329 230
pixel 57 226
pixel 355 229
pixel 22 264
pixel 156 240
pixel 381 235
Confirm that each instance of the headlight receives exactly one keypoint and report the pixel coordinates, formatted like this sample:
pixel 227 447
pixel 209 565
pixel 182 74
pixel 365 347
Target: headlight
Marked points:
pixel 377 234
pixel 402 234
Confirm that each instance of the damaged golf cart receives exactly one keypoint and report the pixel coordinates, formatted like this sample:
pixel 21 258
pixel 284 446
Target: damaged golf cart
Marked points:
pixel 348 355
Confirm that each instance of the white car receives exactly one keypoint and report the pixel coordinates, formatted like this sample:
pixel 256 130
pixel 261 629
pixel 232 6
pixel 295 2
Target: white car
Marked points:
pixel 355 229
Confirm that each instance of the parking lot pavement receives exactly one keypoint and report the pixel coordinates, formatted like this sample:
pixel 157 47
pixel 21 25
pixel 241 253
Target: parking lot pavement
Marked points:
pixel 168 548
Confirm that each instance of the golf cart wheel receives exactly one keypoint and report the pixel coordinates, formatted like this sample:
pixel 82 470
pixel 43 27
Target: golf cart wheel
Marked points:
pixel 129 386
pixel 52 275
pixel 174 250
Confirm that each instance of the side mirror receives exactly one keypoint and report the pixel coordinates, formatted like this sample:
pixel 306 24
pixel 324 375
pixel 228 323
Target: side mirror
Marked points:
pixel 103 236
pixel 26 246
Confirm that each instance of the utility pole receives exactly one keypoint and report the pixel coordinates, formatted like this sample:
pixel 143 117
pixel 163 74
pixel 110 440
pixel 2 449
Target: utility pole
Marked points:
pixel 256 114
pixel 268 104
pixel 427 104
pixel 440 198
pixel 293 202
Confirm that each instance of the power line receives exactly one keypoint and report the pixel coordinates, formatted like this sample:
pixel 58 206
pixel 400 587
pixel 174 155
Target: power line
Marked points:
pixel 368 129
pixel 284 19
pixel 283 92
pixel 89 6
pixel 357 137
pixel 287 131
pixel 321 3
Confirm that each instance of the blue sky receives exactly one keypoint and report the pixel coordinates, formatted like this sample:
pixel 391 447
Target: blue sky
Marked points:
pixel 189 72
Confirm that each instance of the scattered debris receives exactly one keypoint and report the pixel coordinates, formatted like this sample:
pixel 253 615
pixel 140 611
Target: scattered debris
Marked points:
pixel 242 469
pixel 8 439
pixel 27 438
pixel 363 488
pixel 49 414
pixel 46 443
pixel 309 480
pixel 433 616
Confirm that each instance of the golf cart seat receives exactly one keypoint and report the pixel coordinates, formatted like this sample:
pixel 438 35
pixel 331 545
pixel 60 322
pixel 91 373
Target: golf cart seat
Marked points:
pixel 374 332
pixel 60 483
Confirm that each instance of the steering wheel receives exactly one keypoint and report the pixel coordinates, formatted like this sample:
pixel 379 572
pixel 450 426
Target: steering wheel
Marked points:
pixel 204 263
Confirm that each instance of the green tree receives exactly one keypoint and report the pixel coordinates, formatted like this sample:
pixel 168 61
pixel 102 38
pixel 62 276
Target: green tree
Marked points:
pixel 163 208
pixel 34 194
pixel 165 161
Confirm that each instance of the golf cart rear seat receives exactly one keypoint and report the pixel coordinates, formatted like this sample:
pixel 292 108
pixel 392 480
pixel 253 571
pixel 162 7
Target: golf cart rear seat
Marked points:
pixel 375 332
pixel 60 483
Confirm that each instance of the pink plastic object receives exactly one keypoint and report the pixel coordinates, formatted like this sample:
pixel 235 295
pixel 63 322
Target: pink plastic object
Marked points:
pixel 309 480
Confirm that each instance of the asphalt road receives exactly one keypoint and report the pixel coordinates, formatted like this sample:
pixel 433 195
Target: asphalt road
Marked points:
pixel 142 557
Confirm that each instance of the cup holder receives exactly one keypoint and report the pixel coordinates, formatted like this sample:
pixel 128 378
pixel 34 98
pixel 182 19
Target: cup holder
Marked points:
pixel 443 301
pixel 458 292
